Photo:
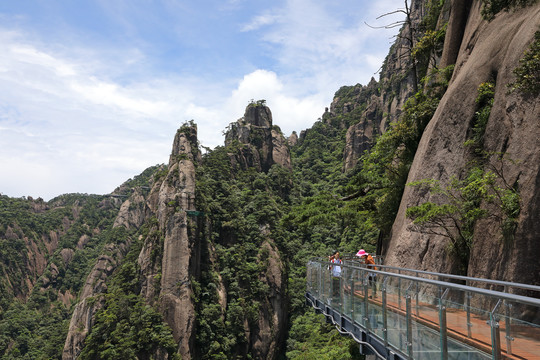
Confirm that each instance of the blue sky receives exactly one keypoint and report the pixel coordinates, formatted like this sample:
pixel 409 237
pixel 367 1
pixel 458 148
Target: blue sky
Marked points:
pixel 92 92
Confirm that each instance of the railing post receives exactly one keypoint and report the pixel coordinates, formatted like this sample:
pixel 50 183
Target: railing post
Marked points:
pixel 352 295
pixel 331 294
pixel 468 305
pixel 311 279
pixel 308 277
pixel 508 331
pixel 442 322
pixel 325 283
pixel 399 289
pixel 321 284
pixel 495 333
pixel 319 276
pixel 314 279
pixel 409 322
pixel 417 291
pixel 340 291
pixel 385 315
pixel 366 288
pixel 310 283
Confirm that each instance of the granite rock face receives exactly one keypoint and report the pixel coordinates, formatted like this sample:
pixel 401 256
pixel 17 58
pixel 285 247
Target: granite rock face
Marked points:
pixel 259 143
pixel 270 330
pixel 280 150
pixel 133 212
pixel 90 300
pixel 170 199
pixel 488 51
pixel 256 143
pixel 381 101
pixel 482 51
pixel 169 256
pixel 360 136
pixel 292 139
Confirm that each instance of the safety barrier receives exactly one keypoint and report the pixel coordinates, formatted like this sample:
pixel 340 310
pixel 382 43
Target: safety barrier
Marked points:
pixel 400 313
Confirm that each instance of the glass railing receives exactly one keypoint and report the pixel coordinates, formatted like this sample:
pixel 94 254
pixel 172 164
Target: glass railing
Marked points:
pixel 422 317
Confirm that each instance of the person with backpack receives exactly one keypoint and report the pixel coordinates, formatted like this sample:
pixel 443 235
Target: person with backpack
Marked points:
pixel 370 263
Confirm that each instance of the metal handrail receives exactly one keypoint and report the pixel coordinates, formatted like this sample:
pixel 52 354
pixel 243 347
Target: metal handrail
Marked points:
pixel 506 296
pixel 466 278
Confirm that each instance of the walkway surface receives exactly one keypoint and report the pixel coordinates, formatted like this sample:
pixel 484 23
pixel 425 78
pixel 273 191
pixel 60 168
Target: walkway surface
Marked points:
pixel 526 346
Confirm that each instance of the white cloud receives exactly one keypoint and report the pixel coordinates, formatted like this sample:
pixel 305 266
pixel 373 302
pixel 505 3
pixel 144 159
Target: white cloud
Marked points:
pixel 30 55
pixel 290 112
pixel 112 95
pixel 322 49
pixel 65 129
pixel 260 21
pixel 256 85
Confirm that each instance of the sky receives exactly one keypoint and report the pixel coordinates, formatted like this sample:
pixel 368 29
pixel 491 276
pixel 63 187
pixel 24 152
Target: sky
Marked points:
pixel 93 91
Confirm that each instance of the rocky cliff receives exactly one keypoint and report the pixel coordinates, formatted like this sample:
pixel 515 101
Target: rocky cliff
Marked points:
pixel 34 249
pixel 253 146
pixel 366 101
pixel 91 299
pixel 169 258
pixel 482 49
pixel 47 252
pixel 131 215
pixel 260 143
pixel 489 51
pixel 170 252
pixel 380 103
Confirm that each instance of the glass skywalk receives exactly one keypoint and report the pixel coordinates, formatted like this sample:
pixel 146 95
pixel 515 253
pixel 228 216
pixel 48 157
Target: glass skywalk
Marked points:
pixel 408 314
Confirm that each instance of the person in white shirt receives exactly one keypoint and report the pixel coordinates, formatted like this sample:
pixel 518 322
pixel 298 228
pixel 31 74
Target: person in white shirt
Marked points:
pixel 336 276
pixel 336 270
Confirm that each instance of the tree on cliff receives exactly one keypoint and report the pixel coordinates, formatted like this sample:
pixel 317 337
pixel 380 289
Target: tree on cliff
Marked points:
pixel 408 35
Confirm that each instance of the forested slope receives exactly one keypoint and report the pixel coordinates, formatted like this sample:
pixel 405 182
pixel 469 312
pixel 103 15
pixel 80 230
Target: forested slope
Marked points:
pixel 46 252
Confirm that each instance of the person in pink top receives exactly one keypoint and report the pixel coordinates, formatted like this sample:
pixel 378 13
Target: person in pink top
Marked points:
pixel 370 262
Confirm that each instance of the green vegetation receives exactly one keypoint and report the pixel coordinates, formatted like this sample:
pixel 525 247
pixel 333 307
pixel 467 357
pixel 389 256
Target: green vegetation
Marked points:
pixel 37 328
pixel 126 327
pixel 528 71
pixel 257 103
pixel 459 205
pixel 143 179
pixel 67 233
pixel 311 338
pixel 303 214
pixel 493 7
pixel 251 220
pixel 238 205
pixel 430 45
pixel 484 101
pixel 30 332
pixel 383 172
pixel 253 215
pixel 70 218
pixel 456 213
pixel 429 39
pixel 248 220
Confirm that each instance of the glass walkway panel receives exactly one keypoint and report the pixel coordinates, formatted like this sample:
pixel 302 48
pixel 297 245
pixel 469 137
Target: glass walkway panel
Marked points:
pixel 400 313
